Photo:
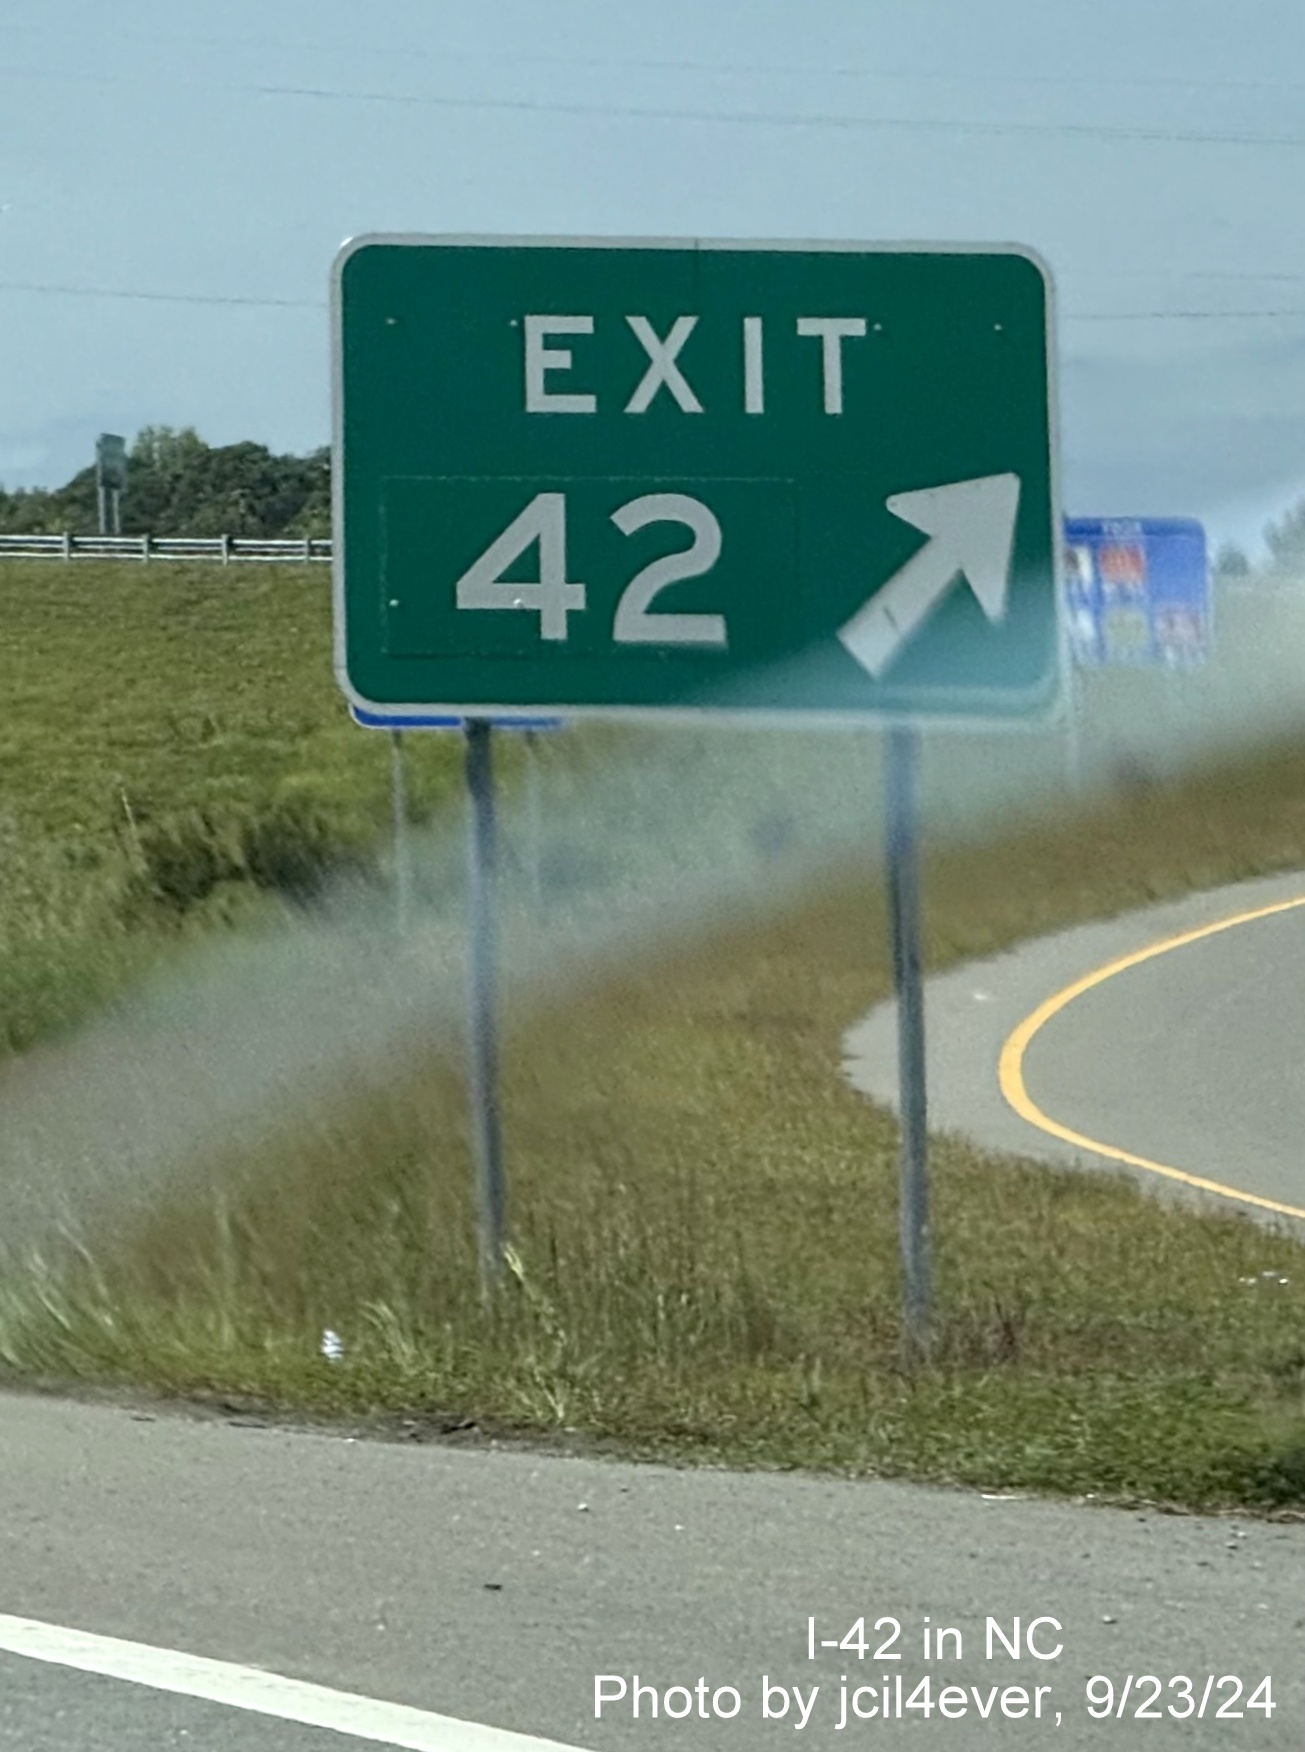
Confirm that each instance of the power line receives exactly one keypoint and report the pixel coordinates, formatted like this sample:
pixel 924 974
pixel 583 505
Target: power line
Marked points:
pixel 782 119
pixel 409 52
pixel 160 297
pixel 318 304
pixel 1178 315
pixel 1267 276
pixel 731 118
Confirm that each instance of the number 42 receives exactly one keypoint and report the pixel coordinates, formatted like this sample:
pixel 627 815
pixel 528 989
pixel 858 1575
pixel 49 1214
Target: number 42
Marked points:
pixel 553 597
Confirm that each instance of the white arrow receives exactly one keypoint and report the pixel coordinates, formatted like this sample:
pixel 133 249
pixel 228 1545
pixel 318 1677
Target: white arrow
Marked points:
pixel 971 526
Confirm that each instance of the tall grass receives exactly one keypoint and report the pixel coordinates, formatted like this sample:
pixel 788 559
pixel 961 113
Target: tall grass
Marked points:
pixel 703 1215
pixel 174 756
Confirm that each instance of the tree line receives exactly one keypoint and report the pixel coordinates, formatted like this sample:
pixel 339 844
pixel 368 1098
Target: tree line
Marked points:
pixel 179 485
pixel 1285 540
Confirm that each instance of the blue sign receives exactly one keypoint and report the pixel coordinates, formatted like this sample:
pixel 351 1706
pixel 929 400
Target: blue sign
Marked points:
pixel 415 721
pixel 1137 591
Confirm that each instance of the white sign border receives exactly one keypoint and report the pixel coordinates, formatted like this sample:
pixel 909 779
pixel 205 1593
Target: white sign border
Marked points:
pixel 945 718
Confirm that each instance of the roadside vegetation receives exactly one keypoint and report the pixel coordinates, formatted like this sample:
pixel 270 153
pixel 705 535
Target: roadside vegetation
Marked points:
pixel 174 757
pixel 703 1213
pixel 179 485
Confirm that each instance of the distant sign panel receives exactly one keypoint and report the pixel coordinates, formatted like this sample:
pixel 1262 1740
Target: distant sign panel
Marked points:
pixel 1137 591
pixel 111 461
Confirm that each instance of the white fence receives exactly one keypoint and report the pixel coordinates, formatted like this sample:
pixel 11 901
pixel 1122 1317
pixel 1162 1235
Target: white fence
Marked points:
pixel 223 548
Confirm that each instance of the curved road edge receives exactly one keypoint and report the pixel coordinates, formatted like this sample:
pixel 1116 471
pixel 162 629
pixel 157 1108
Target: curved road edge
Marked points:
pixel 972 1012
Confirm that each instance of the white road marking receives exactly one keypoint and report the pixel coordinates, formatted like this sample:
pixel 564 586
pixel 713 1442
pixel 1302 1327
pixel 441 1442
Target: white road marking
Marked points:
pixel 248 1688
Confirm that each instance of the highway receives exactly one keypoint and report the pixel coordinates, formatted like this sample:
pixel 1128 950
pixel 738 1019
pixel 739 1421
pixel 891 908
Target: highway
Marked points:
pixel 1155 1042
pixel 176 1579
pixel 1189 1055
pixel 492 1585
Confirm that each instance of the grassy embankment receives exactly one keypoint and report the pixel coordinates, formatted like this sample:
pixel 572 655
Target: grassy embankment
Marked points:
pixel 174 757
pixel 704 1215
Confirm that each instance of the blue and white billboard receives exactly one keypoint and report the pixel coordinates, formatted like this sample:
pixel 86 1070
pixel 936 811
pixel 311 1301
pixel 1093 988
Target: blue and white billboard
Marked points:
pixel 1137 591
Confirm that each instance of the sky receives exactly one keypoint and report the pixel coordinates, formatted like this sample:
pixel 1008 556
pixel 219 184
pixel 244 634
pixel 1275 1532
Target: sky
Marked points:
pixel 175 181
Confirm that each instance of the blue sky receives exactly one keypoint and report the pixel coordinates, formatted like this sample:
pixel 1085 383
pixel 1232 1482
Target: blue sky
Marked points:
pixel 1152 150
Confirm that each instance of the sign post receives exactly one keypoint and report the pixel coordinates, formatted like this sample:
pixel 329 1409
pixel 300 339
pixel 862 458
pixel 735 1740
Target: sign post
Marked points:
pixel 534 824
pixel 399 812
pixel 482 1044
pixel 402 846
pixel 908 982
pixel 807 483
pixel 482 866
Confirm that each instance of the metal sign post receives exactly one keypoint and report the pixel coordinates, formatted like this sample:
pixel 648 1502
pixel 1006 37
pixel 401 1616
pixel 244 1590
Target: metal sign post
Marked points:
pixel 482 1042
pixel 690 479
pixel 482 932
pixel 1074 768
pixel 904 914
pixel 534 824
pixel 402 846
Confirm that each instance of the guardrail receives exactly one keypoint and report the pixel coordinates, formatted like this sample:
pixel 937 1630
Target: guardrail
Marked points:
pixel 225 549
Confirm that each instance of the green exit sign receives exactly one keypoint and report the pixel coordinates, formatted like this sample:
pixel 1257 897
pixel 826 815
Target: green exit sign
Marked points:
pixel 643 477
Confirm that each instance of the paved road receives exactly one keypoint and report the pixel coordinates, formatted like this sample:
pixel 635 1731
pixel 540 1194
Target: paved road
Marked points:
pixel 493 1586
pixel 1190 1059
pixel 43 1709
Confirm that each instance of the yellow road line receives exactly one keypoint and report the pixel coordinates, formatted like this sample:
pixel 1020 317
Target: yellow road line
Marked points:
pixel 1010 1068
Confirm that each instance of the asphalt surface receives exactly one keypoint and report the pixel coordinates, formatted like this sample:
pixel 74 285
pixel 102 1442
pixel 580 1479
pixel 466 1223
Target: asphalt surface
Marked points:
pixel 493 1585
pixel 44 1709
pixel 1191 1058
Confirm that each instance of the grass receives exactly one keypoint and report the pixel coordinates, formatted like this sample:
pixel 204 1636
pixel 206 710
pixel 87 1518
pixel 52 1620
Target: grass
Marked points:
pixel 134 692
pixel 703 1214
pixel 160 724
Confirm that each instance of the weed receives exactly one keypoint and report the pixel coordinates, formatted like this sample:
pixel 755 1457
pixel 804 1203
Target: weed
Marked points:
pixel 703 1215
